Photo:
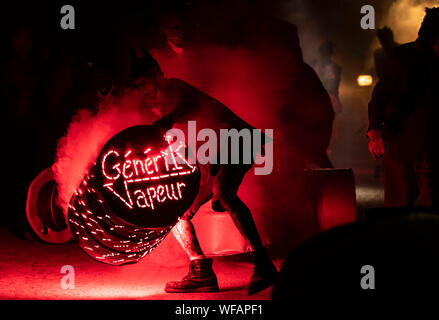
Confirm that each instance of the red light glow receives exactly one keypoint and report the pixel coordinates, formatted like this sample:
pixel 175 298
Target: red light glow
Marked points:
pixel 132 196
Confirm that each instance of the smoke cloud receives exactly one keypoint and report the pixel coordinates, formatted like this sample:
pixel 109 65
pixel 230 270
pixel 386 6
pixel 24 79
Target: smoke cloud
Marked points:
pixel 405 17
pixel 86 135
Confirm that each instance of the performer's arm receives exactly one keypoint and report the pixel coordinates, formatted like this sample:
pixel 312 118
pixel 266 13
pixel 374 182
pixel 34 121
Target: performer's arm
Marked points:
pixel 385 92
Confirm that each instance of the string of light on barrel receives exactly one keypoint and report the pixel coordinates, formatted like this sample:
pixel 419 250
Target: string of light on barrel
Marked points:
pixel 109 239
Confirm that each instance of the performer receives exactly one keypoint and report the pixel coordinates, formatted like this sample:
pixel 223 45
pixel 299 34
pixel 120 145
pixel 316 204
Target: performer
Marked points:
pixel 402 115
pixel 180 102
pixel 329 73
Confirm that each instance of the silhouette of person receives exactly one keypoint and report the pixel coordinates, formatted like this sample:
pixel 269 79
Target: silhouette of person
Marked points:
pixel 329 73
pixel 180 102
pixel 402 116
pixel 380 56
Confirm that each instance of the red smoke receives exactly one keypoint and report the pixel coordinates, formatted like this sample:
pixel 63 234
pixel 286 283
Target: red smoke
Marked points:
pixel 86 135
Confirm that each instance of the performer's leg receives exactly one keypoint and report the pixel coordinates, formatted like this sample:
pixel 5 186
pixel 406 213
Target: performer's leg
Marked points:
pixel 434 181
pixel 264 271
pixel 400 185
pixel 243 220
pixel 184 232
pixel 201 277
pixel 424 178
pixel 225 187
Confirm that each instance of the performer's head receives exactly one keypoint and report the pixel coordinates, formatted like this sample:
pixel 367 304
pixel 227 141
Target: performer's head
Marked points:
pixel 172 29
pixel 146 76
pixel 428 35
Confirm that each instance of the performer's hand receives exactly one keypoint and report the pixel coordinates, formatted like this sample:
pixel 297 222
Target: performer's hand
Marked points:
pixel 376 144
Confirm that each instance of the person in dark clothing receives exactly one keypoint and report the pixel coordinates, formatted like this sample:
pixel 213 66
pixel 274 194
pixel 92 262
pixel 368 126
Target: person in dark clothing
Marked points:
pixel 402 115
pixel 329 73
pixel 380 56
pixel 180 102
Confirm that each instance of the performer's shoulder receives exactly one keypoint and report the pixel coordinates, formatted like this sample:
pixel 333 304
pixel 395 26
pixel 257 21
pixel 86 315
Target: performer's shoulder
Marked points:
pixel 405 50
pixel 403 57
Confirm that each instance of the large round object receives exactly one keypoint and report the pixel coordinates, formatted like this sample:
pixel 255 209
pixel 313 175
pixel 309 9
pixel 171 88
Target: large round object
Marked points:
pixel 400 253
pixel 133 195
pixel 45 216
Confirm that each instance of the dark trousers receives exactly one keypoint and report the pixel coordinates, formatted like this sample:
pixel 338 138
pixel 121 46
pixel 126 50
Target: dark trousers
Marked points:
pixel 406 179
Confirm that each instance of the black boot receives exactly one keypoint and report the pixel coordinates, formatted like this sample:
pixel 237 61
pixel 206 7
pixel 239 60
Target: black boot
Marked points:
pixel 264 272
pixel 201 278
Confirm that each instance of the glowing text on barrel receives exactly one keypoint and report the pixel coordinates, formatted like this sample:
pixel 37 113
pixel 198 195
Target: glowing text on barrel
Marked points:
pixel 152 169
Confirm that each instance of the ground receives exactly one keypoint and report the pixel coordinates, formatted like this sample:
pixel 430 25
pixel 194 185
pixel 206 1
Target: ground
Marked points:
pixel 31 270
